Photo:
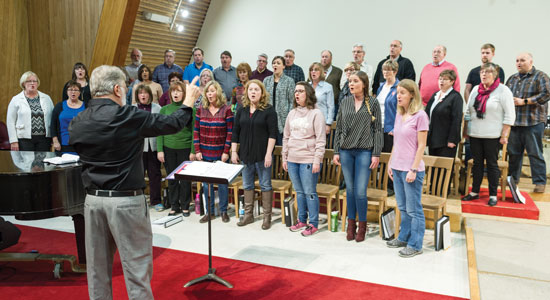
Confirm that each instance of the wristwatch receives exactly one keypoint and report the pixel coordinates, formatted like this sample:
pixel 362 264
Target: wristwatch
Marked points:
pixel 525 101
pixel 413 170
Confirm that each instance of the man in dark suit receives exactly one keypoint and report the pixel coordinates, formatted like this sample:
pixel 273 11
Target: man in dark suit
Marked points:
pixel 406 68
pixel 333 75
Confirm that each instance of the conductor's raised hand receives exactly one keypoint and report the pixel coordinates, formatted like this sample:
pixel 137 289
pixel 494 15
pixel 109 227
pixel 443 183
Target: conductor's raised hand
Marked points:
pixel 192 92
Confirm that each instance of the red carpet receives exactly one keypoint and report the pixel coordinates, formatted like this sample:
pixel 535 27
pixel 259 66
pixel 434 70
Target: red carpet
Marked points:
pixel 503 209
pixel 26 280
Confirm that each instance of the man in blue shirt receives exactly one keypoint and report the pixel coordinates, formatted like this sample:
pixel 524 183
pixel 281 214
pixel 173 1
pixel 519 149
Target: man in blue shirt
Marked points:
pixel 161 72
pixel 196 67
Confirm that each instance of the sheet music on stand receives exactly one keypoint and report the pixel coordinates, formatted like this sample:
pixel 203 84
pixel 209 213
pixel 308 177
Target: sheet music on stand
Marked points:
pixel 211 172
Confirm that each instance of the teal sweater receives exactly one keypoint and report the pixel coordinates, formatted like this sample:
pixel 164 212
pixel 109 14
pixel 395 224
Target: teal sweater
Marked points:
pixel 180 140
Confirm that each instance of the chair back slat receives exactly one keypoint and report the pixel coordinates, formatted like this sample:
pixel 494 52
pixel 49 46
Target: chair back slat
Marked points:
pixel 330 140
pixel 277 171
pixel 438 175
pixel 330 173
pixel 379 176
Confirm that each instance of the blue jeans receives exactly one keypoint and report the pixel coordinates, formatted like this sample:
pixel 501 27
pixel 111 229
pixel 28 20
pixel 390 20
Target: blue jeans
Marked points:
pixel 208 189
pixel 409 201
pixel 355 165
pixel 305 185
pixel 264 176
pixel 527 138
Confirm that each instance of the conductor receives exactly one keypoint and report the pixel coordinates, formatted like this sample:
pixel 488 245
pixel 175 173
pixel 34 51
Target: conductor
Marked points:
pixel 108 136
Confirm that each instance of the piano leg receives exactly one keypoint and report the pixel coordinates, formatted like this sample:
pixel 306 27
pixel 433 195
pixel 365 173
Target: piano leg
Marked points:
pixel 78 221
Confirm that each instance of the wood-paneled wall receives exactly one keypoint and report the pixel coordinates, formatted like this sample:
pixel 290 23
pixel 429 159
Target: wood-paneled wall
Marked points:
pixel 61 33
pixel 154 38
pixel 47 37
pixel 14 49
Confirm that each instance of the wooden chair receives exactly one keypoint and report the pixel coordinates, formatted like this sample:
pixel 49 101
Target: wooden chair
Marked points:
pixel 279 179
pixel 328 184
pixel 458 164
pixel 435 188
pixel 377 189
pixel 330 140
pixel 235 186
pixel 503 167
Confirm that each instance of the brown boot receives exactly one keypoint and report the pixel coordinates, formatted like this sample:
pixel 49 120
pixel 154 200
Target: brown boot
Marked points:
pixel 361 231
pixel 352 227
pixel 267 204
pixel 248 208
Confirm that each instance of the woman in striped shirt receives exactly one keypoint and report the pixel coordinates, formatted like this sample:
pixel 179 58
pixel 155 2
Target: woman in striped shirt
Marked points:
pixel 212 139
pixel 357 146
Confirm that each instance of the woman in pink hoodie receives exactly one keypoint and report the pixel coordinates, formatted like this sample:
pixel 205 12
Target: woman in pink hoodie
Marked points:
pixel 304 141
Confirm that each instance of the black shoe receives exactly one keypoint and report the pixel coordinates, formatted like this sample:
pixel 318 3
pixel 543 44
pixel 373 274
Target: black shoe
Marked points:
pixel 390 192
pixel 492 201
pixel 225 217
pixel 175 212
pixel 185 213
pixel 470 197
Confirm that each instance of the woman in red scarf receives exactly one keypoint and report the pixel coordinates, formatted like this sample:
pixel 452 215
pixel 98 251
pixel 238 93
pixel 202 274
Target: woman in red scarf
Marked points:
pixel 487 122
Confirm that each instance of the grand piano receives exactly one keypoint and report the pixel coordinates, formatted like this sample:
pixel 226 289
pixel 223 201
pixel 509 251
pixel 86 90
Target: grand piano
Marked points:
pixel 33 190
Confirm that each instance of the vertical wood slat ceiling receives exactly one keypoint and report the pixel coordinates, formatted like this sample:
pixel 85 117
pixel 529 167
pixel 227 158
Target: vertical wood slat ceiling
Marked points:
pixel 154 38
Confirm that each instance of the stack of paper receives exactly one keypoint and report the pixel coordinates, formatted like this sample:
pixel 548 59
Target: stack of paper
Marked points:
pixel 63 159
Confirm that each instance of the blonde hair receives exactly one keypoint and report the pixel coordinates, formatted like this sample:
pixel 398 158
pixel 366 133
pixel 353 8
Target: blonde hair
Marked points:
pixel 416 102
pixel 264 101
pixel 220 96
pixel 26 76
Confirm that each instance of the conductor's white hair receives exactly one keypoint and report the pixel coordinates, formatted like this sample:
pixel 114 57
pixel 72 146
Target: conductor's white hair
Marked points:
pixel 104 78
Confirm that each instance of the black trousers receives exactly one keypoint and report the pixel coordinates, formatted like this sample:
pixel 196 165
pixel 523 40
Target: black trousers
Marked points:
pixel 179 192
pixel 443 151
pixel 485 150
pixel 151 165
pixel 36 143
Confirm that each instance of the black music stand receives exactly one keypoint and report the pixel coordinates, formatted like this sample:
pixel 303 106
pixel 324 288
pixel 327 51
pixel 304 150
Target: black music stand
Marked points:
pixel 211 275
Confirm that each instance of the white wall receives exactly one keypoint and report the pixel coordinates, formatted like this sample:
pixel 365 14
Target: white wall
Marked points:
pixel 249 27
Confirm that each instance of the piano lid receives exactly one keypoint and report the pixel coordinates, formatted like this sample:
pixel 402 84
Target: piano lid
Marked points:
pixel 32 189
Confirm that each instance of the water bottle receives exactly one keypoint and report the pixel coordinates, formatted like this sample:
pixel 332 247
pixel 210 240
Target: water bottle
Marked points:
pixel 241 208
pixel 197 204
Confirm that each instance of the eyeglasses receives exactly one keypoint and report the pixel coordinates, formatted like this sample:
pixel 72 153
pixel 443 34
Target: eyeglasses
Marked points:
pixel 262 61
pixel 485 72
pixel 31 81
pixel 73 90
pixel 349 70
pixel 299 91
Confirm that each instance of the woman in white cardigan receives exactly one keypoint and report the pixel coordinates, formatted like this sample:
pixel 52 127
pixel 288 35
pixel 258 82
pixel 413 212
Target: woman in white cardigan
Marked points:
pixel 29 117
pixel 487 122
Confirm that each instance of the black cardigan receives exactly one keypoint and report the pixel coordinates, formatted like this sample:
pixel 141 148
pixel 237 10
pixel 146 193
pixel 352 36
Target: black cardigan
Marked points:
pixel 254 132
pixel 446 120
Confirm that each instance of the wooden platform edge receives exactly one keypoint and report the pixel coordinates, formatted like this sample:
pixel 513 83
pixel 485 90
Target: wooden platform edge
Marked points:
pixel 472 264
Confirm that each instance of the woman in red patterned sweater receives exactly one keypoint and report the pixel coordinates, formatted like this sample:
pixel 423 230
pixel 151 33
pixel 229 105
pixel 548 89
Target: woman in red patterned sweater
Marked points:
pixel 212 140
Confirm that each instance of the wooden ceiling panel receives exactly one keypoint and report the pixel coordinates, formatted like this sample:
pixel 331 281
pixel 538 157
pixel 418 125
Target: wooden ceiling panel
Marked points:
pixel 154 38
